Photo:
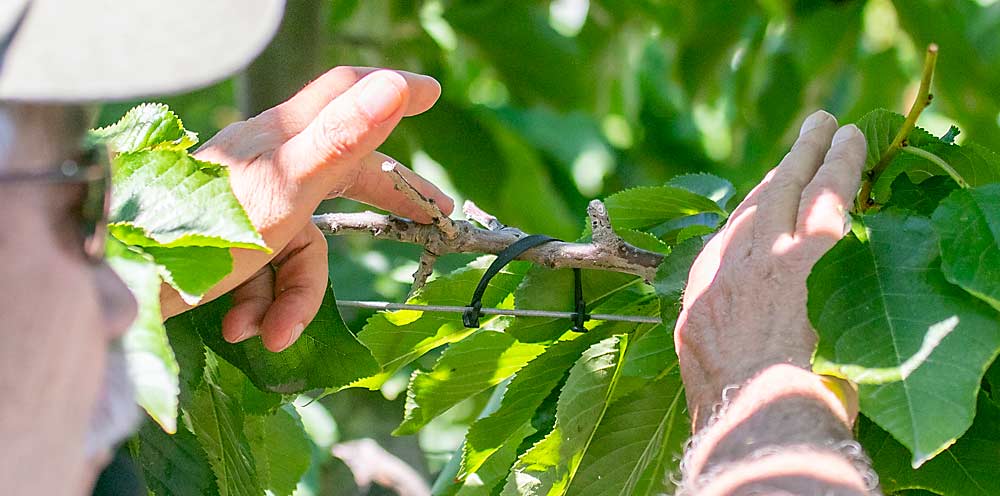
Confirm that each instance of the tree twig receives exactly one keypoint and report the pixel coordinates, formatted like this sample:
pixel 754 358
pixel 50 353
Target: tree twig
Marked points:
pixel 921 102
pixel 617 256
pixel 484 219
pixel 438 218
pixel 424 270
pixel 369 463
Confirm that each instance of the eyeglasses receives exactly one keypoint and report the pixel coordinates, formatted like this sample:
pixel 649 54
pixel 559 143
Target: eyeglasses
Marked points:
pixel 91 172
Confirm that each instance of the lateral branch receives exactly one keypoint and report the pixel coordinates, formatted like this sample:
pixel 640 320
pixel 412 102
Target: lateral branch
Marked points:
pixel 606 252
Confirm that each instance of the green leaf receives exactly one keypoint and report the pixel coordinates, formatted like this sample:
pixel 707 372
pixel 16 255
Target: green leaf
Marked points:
pixel 490 474
pixel 192 270
pixel 712 187
pixel 876 305
pixel 921 198
pixel 650 355
pixel 880 127
pixel 173 465
pixel 552 289
pixel 968 223
pixel 644 207
pixel 949 137
pixel 975 164
pixel 550 465
pixel 644 240
pixel 966 468
pixel 281 451
pixel 465 369
pixel 217 419
pixel 525 393
pixel 327 355
pixel 638 438
pixel 147 126
pixel 167 198
pixel 400 337
pixel 672 276
pixel 152 366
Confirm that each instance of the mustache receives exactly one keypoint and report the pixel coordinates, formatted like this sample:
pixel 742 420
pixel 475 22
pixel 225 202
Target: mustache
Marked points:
pixel 116 415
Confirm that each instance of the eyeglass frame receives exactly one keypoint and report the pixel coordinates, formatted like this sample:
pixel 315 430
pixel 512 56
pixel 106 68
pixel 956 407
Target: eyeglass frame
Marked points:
pixel 96 176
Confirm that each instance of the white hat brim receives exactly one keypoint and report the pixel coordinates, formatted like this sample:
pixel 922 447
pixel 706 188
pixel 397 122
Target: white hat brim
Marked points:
pixel 105 50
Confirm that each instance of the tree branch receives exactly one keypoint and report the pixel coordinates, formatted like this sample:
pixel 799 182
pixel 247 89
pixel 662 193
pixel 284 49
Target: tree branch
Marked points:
pixel 604 253
pixel 923 99
pixel 438 218
pixel 424 270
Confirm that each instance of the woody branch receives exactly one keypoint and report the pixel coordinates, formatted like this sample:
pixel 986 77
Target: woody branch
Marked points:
pixel 607 251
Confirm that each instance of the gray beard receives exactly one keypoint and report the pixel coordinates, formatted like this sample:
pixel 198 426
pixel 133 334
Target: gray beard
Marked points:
pixel 115 415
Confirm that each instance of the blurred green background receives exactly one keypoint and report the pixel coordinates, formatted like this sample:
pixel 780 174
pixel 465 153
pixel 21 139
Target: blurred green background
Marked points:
pixel 548 104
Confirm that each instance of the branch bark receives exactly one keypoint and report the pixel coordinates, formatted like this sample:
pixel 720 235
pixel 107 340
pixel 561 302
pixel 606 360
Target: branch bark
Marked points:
pixel 605 253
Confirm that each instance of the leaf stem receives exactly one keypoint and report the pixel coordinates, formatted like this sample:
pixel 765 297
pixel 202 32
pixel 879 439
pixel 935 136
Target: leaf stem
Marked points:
pixel 921 102
pixel 940 162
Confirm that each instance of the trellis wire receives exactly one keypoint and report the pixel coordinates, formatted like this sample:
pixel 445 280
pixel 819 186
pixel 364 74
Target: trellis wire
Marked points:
pixel 385 305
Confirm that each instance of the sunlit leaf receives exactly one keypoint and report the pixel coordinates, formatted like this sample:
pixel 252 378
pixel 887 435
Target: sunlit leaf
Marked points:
pixel 152 367
pixel 881 303
pixel 465 369
pixel 398 338
pixel 147 126
pixel 168 198
pixel 550 465
pixel 280 449
pixel 638 438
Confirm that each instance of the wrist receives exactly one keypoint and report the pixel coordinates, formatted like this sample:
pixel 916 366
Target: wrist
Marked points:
pixel 782 406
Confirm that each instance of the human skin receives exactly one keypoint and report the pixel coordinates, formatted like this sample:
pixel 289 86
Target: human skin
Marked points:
pixel 319 144
pixel 59 314
pixel 744 340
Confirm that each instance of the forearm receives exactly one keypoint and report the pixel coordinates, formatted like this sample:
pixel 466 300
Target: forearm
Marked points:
pixel 783 432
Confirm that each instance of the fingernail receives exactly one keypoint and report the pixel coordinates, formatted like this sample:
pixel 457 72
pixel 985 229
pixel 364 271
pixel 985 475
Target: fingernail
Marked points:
pixel 845 133
pixel 296 332
pixel 380 97
pixel 813 121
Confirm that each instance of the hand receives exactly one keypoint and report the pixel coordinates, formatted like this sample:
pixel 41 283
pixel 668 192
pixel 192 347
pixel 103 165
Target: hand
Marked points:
pixel 319 144
pixel 744 308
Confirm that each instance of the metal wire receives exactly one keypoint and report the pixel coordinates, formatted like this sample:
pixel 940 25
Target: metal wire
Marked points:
pixel 385 305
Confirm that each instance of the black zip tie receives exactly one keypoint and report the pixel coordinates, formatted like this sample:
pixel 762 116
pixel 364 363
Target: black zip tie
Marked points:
pixel 470 318
pixel 580 315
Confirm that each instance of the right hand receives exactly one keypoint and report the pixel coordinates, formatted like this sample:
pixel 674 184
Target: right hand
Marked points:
pixel 744 308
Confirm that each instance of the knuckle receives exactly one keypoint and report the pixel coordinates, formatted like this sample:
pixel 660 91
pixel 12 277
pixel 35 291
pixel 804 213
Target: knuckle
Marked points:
pixel 345 73
pixel 806 145
pixel 334 138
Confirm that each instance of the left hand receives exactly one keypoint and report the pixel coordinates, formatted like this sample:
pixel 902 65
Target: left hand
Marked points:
pixel 319 144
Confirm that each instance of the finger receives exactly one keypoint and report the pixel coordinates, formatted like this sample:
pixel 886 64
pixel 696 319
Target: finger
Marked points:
pixel 376 187
pixel 779 201
pixel 744 213
pixel 250 302
pixel 736 230
pixel 247 140
pixel 299 287
pixel 323 157
pixel 297 112
pixel 825 201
